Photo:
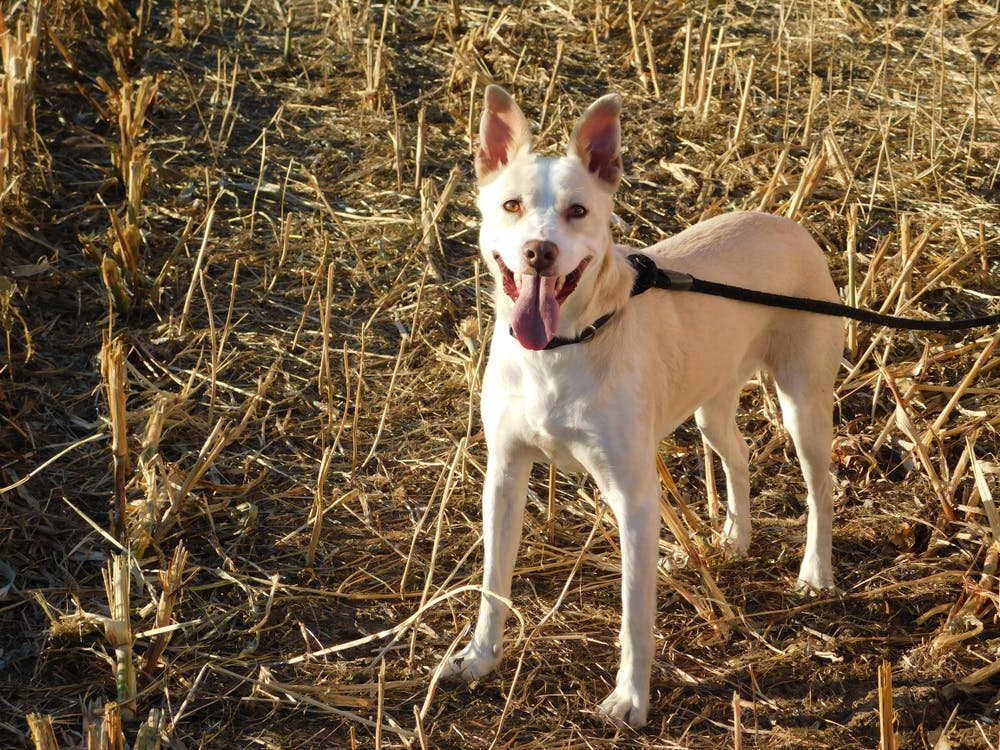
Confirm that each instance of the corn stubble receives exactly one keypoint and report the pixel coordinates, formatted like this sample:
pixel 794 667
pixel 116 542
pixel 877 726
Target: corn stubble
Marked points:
pixel 272 519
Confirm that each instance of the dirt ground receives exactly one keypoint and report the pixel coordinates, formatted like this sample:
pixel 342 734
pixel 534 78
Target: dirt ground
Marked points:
pixel 297 401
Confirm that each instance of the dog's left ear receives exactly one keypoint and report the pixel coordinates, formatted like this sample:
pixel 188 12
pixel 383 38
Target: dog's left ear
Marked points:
pixel 597 137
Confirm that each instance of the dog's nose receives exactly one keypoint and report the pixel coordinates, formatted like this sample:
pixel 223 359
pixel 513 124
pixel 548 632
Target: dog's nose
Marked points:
pixel 540 255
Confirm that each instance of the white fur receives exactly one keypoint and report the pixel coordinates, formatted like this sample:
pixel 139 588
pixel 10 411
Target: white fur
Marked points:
pixel 604 405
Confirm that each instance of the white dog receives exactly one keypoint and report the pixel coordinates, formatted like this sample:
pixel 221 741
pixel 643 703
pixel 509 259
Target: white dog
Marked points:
pixel 602 399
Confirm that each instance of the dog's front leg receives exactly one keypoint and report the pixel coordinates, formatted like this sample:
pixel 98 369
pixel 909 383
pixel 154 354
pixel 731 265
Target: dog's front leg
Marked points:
pixel 634 499
pixel 504 492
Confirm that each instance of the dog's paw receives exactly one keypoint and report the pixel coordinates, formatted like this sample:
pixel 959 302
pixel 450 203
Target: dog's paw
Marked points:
pixel 812 589
pixel 471 663
pixel 813 583
pixel 735 540
pixel 815 579
pixel 625 705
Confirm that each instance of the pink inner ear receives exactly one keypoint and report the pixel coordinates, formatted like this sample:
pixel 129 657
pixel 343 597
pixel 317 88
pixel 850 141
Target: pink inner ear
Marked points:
pixel 496 136
pixel 598 143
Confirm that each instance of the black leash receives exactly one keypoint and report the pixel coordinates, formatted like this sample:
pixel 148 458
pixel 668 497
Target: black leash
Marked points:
pixel 649 276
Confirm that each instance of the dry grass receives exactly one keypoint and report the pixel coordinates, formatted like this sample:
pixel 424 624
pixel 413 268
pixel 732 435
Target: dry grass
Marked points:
pixel 19 48
pixel 242 464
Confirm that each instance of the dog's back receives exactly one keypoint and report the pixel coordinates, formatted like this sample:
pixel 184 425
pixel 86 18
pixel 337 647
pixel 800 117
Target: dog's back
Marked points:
pixel 751 249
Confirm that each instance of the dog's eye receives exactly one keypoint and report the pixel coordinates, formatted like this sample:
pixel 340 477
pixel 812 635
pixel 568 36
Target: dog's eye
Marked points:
pixel 576 211
pixel 513 206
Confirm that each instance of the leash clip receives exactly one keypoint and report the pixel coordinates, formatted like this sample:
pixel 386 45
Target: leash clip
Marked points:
pixel 645 273
pixel 649 276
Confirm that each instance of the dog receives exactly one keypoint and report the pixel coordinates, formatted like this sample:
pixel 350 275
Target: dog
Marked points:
pixel 583 375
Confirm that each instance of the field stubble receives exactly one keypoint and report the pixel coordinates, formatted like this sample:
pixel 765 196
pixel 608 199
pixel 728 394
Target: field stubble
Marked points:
pixel 245 324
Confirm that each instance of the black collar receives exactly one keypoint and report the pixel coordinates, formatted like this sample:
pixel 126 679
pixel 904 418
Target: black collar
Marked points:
pixel 647 276
pixel 585 335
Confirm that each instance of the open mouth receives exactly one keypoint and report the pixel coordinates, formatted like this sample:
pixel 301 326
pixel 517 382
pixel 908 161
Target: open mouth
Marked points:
pixel 537 301
pixel 564 285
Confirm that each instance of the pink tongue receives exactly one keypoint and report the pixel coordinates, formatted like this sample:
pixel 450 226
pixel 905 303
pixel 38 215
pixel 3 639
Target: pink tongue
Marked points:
pixel 536 311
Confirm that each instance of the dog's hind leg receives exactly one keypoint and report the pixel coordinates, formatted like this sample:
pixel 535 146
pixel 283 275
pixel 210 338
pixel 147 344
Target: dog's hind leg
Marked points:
pixel 804 377
pixel 504 493
pixel 807 412
pixel 716 419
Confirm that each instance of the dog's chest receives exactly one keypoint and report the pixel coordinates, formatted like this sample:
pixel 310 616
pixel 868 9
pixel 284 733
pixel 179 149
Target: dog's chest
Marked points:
pixel 556 432
pixel 549 410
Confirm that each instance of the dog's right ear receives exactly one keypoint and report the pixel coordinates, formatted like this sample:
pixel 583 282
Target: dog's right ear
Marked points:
pixel 503 131
pixel 597 137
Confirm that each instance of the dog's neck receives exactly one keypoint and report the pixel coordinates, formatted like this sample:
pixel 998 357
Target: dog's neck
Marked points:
pixel 611 291
pixel 615 281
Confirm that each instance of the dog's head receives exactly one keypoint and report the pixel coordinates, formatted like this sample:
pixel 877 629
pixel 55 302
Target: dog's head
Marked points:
pixel 545 220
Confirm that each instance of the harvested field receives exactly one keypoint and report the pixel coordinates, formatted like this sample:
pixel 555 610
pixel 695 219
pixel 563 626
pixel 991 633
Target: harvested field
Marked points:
pixel 245 321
